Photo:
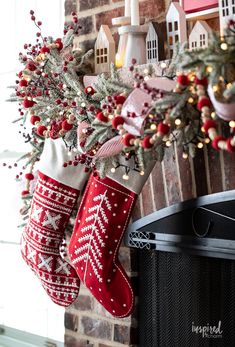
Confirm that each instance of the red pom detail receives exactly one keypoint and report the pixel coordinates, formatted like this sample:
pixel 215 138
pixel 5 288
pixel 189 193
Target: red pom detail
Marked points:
pixel 28 103
pixel 117 121
pixel 203 102
pixel 89 90
pixel 201 82
pixel 127 138
pixel 24 192
pixel 120 99
pixel 101 117
pixel 23 83
pixel 209 124
pixel 146 142
pixel 59 44
pixel 230 147
pixel 163 128
pixel 29 176
pixel 34 119
pixel 44 50
pixel 216 141
pixel 41 129
pixel 31 66
pixel 66 126
pixel 183 80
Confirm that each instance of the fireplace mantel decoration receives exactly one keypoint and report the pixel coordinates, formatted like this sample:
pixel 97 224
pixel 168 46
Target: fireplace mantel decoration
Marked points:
pixel 109 133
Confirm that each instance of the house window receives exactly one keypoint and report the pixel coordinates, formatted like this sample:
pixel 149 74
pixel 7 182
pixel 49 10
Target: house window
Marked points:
pixel 176 25
pixel 152 49
pixel 225 7
pixel 176 38
pixel 202 40
pixel 170 27
pixel 233 6
pixel 194 44
pixel 102 55
pixel 170 40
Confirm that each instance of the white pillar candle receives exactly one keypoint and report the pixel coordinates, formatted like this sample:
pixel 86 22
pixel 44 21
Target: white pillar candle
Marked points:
pixel 127 8
pixel 135 12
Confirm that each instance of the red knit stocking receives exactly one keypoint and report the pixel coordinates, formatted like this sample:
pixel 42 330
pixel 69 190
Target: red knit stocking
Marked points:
pixel 56 192
pixel 101 221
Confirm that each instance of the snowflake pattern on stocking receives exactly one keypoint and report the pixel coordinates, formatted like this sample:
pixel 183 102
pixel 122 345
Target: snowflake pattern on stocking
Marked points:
pixel 41 239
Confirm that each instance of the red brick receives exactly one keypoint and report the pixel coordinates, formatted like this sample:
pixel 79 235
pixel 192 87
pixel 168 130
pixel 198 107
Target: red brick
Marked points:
pixel 86 24
pixel 136 214
pixel 125 335
pixel 147 198
pixel 215 170
pixel 96 328
pixel 89 4
pixel 83 303
pixel 71 321
pixel 171 176
pixel 200 173
pixel 71 341
pixel 185 176
pixel 158 186
pixel 124 256
pixel 70 6
pixel 106 17
pixel 151 8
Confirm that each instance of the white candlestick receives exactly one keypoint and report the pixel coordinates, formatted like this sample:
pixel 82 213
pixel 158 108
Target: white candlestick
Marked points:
pixel 135 12
pixel 127 8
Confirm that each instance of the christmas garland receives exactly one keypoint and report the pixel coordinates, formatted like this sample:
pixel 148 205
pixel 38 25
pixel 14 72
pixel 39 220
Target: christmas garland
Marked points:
pixel 91 119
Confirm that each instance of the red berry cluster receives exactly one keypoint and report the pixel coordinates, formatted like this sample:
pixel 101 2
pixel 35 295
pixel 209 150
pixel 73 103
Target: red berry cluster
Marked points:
pixel 80 159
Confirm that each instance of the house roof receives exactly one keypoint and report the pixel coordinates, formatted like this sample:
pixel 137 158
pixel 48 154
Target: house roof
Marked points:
pixel 177 7
pixel 203 24
pixel 104 30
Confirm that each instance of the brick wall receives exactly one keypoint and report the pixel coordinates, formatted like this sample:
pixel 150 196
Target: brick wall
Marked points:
pixel 93 13
pixel 173 180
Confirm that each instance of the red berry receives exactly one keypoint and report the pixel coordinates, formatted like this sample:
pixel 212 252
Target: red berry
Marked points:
pixel 31 66
pixel 101 117
pixel 29 176
pixel 59 44
pixel 44 50
pixel 33 17
pixel 28 103
pixel 38 34
pixel 230 147
pixel 120 99
pixel 31 12
pixel 23 83
pixel 133 61
pixel 39 23
pixel 146 142
pixel 118 120
pixel 66 126
pixel 201 82
pixel 41 129
pixel 89 90
pixel 24 192
pixel 183 80
pixel 210 123
pixel 65 165
pixel 58 101
pixel 216 141
pixel 127 138
pixel 203 102
pixel 34 119
pixel 163 128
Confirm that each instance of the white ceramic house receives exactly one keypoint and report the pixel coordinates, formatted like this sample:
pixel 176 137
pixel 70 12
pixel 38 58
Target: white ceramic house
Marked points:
pixel 176 26
pixel 104 50
pixel 226 12
pixel 199 36
pixel 155 40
